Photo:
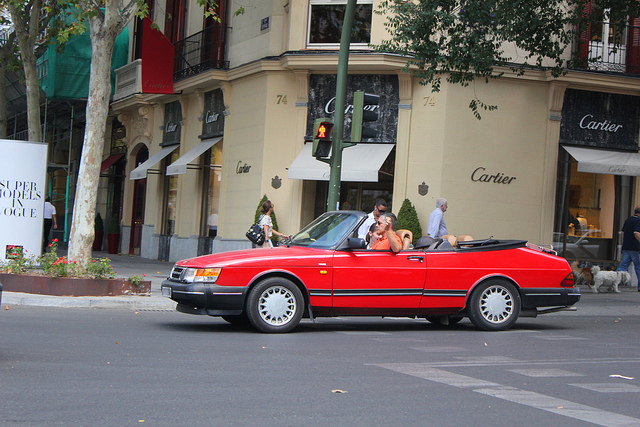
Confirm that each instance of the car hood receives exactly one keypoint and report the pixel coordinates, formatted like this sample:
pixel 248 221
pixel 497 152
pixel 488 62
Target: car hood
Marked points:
pixel 280 256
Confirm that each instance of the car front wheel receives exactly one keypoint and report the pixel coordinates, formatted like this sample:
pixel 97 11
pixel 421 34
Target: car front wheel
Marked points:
pixel 494 305
pixel 275 305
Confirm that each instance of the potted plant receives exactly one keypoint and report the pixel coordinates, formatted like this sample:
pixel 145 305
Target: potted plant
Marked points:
pixel 99 233
pixel 113 234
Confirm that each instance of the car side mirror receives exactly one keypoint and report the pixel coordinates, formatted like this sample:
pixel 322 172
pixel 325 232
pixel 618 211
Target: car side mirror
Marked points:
pixel 356 243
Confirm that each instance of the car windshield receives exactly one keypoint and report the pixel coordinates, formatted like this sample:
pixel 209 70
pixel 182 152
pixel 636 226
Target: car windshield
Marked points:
pixel 326 231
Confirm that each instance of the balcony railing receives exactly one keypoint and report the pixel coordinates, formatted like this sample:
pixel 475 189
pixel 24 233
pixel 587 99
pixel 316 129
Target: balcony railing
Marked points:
pixel 620 55
pixel 200 52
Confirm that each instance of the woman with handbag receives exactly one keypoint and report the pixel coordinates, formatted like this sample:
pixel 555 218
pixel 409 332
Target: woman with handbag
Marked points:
pixel 267 225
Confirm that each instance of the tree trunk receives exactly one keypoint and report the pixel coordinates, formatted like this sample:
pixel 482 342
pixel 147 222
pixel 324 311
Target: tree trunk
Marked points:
pixel 3 101
pixel 104 30
pixel 26 26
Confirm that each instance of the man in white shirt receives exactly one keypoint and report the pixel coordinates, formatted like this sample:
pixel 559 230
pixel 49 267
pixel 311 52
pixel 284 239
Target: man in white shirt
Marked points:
pixel 437 227
pixel 49 219
pixel 379 209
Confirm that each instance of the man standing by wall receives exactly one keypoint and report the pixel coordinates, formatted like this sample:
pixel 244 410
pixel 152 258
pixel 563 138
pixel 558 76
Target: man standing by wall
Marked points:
pixel 379 209
pixel 631 244
pixel 49 219
pixel 437 227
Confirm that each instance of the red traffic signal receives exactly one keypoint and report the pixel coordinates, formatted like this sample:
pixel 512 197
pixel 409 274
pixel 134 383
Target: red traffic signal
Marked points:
pixel 324 130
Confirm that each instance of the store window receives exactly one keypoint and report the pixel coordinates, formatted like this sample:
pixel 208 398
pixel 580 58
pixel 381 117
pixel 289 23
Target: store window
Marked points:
pixel 212 180
pixel 590 208
pixel 325 23
pixel 170 196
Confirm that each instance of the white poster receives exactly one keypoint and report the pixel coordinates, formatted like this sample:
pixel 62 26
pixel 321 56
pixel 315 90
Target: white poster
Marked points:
pixel 23 167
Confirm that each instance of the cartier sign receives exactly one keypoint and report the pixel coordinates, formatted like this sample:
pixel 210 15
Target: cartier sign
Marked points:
pixel 481 175
pixel 600 119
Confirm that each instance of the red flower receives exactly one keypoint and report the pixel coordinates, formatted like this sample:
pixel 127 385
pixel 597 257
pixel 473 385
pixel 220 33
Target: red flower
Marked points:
pixel 144 275
pixel 55 240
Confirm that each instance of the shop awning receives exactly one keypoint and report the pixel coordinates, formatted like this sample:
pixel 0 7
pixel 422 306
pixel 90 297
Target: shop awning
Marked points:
pixel 180 165
pixel 359 163
pixel 606 161
pixel 106 163
pixel 141 171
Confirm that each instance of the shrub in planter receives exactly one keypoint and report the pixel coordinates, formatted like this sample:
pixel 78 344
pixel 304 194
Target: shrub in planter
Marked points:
pixel 113 234
pixel 408 220
pixel 99 233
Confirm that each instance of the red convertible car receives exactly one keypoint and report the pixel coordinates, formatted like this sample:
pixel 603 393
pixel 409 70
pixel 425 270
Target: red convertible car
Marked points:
pixel 325 270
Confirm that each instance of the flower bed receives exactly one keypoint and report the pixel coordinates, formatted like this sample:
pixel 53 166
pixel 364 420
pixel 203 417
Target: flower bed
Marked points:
pixel 71 286
pixel 57 276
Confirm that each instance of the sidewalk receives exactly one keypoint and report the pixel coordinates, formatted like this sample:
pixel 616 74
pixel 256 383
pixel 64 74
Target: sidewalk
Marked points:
pixel 626 303
pixel 125 266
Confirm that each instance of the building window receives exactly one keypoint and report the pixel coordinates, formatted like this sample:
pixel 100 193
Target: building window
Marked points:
pixel 325 23
pixel 590 210
pixel 170 196
pixel 212 181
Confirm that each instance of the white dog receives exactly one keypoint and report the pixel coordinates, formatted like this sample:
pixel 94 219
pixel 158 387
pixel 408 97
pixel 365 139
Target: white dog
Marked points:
pixel 612 279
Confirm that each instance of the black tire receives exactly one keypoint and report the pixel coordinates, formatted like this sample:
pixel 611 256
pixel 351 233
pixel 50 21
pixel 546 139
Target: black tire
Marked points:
pixel 237 319
pixel 275 305
pixel 494 305
pixel 445 320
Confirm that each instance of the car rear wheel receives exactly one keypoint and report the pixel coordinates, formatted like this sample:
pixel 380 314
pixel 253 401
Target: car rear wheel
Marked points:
pixel 494 305
pixel 275 305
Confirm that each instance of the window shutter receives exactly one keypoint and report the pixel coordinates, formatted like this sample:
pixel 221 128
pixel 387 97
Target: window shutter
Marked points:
pixel 633 46
pixel 584 36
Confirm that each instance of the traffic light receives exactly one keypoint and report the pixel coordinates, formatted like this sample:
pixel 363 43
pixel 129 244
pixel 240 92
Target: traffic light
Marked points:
pixel 364 110
pixel 322 130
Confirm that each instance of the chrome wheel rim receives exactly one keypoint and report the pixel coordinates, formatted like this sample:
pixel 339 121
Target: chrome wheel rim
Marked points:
pixel 496 304
pixel 277 306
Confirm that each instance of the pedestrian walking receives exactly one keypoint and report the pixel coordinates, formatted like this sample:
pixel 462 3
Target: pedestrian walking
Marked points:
pixel 631 244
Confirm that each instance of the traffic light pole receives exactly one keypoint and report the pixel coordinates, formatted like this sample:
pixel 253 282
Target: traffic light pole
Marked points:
pixel 338 117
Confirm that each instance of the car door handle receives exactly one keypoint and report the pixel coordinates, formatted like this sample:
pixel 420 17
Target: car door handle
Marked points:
pixel 415 258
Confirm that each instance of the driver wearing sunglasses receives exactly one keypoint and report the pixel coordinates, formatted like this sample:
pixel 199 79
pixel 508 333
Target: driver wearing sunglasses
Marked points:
pixel 389 239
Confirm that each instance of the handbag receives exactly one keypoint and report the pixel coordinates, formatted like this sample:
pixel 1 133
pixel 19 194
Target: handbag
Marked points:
pixel 256 234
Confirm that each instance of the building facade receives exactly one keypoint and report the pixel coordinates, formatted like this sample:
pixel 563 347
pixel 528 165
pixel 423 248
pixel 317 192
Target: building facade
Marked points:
pixel 215 116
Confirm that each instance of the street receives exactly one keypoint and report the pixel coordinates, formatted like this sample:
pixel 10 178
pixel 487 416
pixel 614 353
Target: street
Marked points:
pixel 79 366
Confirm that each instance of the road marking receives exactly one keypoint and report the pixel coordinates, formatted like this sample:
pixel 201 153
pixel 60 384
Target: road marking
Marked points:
pixel 545 373
pixel 572 362
pixel 511 394
pixel 440 349
pixel 609 387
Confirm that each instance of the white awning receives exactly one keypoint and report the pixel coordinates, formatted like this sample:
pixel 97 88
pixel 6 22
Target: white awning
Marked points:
pixel 360 162
pixel 180 165
pixel 141 171
pixel 606 161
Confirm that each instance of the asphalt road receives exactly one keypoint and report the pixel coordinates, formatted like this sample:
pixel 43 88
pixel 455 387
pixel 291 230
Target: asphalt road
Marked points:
pixel 79 366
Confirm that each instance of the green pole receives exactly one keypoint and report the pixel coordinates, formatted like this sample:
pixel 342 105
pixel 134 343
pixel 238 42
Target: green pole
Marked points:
pixel 338 117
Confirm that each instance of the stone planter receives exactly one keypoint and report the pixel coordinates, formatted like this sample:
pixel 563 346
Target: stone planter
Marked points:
pixel 113 241
pixel 97 241
pixel 68 286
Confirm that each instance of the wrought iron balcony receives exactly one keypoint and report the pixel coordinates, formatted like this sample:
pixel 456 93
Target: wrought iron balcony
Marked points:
pixel 608 48
pixel 201 52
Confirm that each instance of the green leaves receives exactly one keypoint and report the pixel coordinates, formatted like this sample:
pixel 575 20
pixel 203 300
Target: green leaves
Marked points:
pixel 462 41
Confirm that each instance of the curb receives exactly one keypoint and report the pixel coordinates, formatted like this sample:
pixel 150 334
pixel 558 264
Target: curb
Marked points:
pixel 128 302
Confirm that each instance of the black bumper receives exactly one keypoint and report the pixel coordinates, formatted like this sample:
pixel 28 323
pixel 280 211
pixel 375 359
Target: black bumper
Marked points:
pixel 205 298
pixel 549 297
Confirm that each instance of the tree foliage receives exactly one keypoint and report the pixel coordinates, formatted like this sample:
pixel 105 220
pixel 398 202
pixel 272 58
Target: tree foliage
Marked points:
pixel 408 220
pixel 466 40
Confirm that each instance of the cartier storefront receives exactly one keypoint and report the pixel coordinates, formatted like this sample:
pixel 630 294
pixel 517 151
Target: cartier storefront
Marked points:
pixel 598 161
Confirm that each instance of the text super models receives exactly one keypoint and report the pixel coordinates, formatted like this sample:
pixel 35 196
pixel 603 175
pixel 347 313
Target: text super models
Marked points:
pixel 23 190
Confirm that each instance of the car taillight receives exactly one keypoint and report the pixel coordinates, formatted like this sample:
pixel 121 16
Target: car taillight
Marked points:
pixel 568 282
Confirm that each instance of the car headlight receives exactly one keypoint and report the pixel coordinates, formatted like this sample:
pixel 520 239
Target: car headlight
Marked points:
pixel 201 275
